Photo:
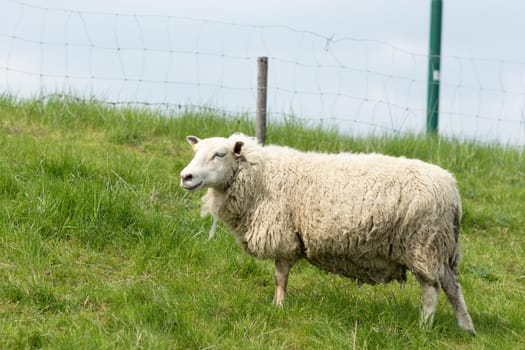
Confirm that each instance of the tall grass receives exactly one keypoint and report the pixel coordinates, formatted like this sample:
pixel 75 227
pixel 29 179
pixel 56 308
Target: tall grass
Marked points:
pixel 99 248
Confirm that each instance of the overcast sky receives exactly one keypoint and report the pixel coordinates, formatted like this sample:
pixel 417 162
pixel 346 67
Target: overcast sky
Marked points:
pixel 380 45
pixel 487 28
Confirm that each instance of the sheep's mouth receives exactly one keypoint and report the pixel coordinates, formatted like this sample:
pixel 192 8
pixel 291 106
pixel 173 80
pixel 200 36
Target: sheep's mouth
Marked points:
pixel 192 188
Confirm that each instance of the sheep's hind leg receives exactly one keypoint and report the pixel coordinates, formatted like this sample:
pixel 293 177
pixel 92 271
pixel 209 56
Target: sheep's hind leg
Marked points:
pixel 282 268
pixel 452 289
pixel 430 300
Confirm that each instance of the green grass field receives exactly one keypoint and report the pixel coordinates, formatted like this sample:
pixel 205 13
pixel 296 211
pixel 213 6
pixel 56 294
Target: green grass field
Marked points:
pixel 101 249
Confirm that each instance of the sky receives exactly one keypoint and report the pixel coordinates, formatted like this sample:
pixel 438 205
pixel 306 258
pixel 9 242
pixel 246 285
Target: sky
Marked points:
pixel 360 66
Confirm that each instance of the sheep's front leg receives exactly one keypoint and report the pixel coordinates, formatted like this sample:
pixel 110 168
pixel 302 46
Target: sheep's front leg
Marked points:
pixel 282 268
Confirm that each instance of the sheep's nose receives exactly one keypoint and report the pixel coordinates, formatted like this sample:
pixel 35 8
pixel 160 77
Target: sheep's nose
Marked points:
pixel 186 177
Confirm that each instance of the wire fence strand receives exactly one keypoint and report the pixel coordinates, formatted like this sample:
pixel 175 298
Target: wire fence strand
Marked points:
pixel 361 86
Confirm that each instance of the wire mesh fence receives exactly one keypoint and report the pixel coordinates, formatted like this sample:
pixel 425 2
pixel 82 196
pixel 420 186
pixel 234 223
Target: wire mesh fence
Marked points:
pixel 360 86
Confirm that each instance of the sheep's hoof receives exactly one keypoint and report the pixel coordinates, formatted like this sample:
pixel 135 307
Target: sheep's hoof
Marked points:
pixel 470 331
pixel 278 302
pixel 426 321
pixel 467 325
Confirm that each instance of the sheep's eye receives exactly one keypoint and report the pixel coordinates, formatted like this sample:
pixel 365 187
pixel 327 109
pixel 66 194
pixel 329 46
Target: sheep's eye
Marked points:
pixel 219 154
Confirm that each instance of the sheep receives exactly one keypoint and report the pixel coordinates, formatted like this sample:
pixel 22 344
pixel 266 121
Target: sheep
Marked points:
pixel 369 217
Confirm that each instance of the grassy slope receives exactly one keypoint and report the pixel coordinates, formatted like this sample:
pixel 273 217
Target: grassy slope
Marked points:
pixel 99 248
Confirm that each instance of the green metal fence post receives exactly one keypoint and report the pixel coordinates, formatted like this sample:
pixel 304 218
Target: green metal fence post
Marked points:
pixel 434 63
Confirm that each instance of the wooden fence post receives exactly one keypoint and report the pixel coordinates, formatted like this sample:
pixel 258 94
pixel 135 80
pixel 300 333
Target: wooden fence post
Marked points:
pixel 262 88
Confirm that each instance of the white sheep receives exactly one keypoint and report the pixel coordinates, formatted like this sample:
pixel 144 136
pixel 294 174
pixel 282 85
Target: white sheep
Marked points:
pixel 365 216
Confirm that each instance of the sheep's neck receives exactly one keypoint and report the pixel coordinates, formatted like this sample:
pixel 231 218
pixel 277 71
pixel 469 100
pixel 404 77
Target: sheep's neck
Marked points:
pixel 239 200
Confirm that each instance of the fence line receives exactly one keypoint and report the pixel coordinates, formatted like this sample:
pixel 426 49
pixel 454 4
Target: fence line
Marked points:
pixel 362 86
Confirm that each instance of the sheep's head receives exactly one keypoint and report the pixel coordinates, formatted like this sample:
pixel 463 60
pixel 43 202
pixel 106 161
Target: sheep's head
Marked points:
pixel 213 165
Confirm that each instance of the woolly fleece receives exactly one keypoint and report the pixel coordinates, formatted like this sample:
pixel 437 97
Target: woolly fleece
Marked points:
pixel 364 216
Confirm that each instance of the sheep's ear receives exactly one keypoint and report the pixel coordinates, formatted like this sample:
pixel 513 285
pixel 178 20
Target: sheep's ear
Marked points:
pixel 192 140
pixel 237 148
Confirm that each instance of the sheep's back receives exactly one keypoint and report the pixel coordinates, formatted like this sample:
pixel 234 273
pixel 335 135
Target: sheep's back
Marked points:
pixel 363 215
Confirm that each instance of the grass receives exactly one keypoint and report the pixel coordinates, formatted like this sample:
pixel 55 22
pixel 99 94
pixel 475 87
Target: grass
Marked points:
pixel 101 249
